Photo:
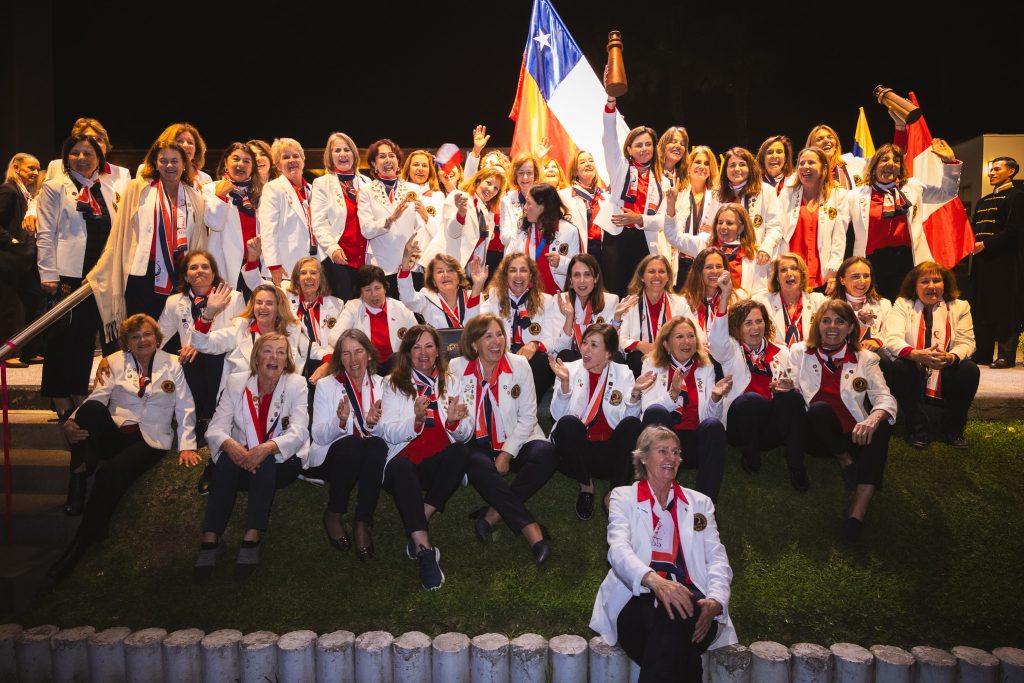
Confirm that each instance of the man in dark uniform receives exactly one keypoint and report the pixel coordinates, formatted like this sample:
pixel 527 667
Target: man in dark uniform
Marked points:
pixel 997 268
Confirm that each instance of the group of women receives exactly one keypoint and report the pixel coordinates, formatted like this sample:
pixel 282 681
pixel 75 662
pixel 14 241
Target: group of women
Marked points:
pixel 750 304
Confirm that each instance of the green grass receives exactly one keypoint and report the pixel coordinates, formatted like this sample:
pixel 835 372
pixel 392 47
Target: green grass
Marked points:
pixel 940 562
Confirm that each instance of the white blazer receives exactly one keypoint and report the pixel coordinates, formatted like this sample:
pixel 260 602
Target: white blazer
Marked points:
pixel 511 215
pixel 811 302
pixel 917 193
pixel 675 227
pixel 764 214
pixel 237 342
pixel 326 429
pixel 833 217
pixel 226 242
pixel 433 201
pixel 855 167
pixel 632 331
pixel 728 352
pixel 566 244
pixel 386 244
pixel 289 415
pixel 881 309
pixel 119 177
pixel 517 400
pixel 283 226
pixel 615 403
pixel 548 321
pixel 577 207
pixel 658 395
pixel 460 240
pixel 630 529
pixel 605 315
pixel 397 423
pixel 902 324
pixel 61 236
pixel 618 173
pixel 428 304
pixel 329 211
pixel 143 221
pixel 805 369
pixel 354 316
pixel 177 317
pixel 167 398
pixel 330 314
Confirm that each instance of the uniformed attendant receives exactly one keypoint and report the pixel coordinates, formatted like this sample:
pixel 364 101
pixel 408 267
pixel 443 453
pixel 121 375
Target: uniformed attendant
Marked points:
pixel 425 425
pixel 530 316
pixel 855 284
pixel 122 430
pixel 686 398
pixel 335 215
pixel 775 157
pixel 345 449
pixel 583 303
pixel 701 291
pixel 546 236
pixel 850 411
pixel 468 222
pixel 739 182
pixel 997 268
pixel 847 171
pixel 285 215
pixel 762 410
pixel 790 302
pixel 383 319
pixel 497 388
pixel 259 439
pixel 447 300
pixel 585 199
pixel 317 311
pixel 684 209
pixel 596 409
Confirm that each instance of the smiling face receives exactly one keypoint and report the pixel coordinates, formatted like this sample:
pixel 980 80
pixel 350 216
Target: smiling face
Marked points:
pixel 342 156
pixel 169 165
pixel 488 189
pixel 775 158
pixel 354 357
pixel 809 169
pixel 385 163
pixel 655 278
pixel 446 280
pixel 641 149
pixel 424 353
pixel 889 167
pixel 552 173
pixel 789 276
pixel 728 228
pixel 930 288
pixel 263 163
pixel 714 266
pixel 142 342
pixel 700 168
pixel 199 274
pixel 661 462
pixel 272 359
pixel 309 280
pixel 586 169
pixel 188 143
pixel 525 177
pixel 292 164
pixel 999 174
pixel 532 209
pixel 82 159
pixel 239 166
pixel 595 355
pixel 834 329
pixel 374 294
pixel 491 347
pixel 582 280
pixel 737 170
pixel 264 309
pixel 519 276
pixel 681 343
pixel 857 279
pixel 675 148
pixel 752 329
pixel 826 140
pixel 419 168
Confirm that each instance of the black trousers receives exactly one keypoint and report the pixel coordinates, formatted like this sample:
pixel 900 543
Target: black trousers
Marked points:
pixel 439 475
pixel 139 296
pixel 995 307
pixel 662 646
pixel 351 460
pixel 70 346
pixel 341 279
pixel 620 255
pixel 703 448
pixel 595 249
pixel 493 261
pixel 203 378
pixel 21 298
pixel 582 459
pixel 121 458
pixel 543 378
pixel 757 424
pixel 533 466
pixel 682 271
pixel 959 385
pixel 229 479
pixel 890 265
pixel 826 439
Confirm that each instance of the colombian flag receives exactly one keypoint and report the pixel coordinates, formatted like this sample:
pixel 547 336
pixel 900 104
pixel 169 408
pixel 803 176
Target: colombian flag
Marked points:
pixel 863 147
pixel 559 95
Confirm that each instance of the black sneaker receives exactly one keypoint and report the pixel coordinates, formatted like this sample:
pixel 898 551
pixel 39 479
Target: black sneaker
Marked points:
pixel 431 576
pixel 958 441
pixel 798 479
pixel 584 505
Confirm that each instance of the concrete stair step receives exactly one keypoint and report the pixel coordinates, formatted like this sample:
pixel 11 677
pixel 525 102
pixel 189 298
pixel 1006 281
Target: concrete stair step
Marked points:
pixel 26 397
pixel 39 471
pixel 38 520
pixel 22 571
pixel 36 429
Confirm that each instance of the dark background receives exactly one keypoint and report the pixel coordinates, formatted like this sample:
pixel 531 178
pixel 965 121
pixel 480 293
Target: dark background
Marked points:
pixel 426 73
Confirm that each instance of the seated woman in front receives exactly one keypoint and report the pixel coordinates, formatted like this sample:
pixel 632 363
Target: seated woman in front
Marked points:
pixel 789 299
pixel 855 284
pixel 382 319
pixel 583 303
pixel 425 426
pixel 850 411
pixel 665 599
pixel 686 398
pixel 930 334
pixel 497 388
pixel 596 409
pixel 259 440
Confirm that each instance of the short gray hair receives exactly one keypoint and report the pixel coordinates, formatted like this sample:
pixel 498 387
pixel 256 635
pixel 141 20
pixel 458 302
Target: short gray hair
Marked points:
pixel 651 435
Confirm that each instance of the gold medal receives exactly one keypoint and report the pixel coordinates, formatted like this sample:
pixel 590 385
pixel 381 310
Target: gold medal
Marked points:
pixel 616 398
pixel 856 179
pixel 534 329
pixel 401 332
pixel 860 384
pixel 431 211
pixel 285 422
pixel 757 220
pixel 411 197
pixel 167 386
pixel 563 249
pixel 600 319
pixel 832 213
pixel 516 391
pixel 330 323
pixel 700 522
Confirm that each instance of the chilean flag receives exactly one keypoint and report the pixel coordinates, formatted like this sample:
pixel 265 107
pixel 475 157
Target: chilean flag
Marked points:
pixel 559 95
pixel 946 226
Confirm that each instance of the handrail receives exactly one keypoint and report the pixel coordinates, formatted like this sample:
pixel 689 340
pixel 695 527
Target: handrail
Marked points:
pixel 40 324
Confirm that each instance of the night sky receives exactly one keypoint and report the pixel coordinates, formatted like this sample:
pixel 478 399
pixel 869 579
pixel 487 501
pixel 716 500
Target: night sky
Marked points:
pixel 425 74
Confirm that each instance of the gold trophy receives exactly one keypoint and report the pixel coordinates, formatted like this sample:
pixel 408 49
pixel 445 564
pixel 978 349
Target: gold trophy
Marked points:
pixel 616 85
pixel 901 107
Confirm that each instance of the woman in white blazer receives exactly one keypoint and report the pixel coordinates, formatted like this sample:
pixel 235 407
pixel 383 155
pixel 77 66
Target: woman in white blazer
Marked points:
pixel 259 440
pixel 930 335
pixel 126 423
pixel 775 157
pixel 663 613
pixel 285 214
pixel 317 312
pixel 497 388
pixel 584 199
pixel 650 305
pixel 447 300
pixel 545 236
pixel 523 173
pixel 855 284
pixel 701 290
pixel 735 236
pixel 684 207
pixel 420 171
pixel 686 397
pixel 847 171
pixel 583 303
pixel 790 302
pixel 425 425
pixel 739 182
pixel 467 222
pixel 596 409
pixel 383 319
pixel 232 205
pixel 814 219
pixel 344 449
pixel 762 410
pixel 334 210
pixel 838 381
pixel 888 215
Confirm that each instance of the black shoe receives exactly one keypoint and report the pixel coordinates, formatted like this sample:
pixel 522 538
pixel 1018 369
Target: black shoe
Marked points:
pixel 751 463
pixel 72 554
pixel 1002 364
pixel 798 478
pixel 410 549
pixel 75 503
pixel 584 505
pixel 248 559
pixel 204 480
pixel 541 551
pixel 853 529
pixel 918 439
pixel 849 473
pixel 482 528
pixel 342 542
pixel 431 576
pixel 209 553
pixel 958 441
pixel 363 540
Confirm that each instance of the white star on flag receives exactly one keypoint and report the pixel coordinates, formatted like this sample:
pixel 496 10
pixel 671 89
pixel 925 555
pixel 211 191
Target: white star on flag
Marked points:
pixel 542 39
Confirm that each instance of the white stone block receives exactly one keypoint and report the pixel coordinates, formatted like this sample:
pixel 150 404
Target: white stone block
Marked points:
pixel 219 652
pixel 336 657
pixel 143 656
pixel 373 657
pixel 568 659
pixel 106 655
pixel 296 657
pixel 450 658
pixel 181 656
pixel 528 659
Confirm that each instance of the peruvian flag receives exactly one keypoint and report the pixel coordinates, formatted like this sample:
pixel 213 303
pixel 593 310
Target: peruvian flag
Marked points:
pixel 946 227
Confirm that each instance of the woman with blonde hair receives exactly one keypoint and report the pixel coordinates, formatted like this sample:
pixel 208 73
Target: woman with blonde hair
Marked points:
pixel 846 170
pixel 285 220
pixel 584 199
pixel 186 135
pixel 789 299
pixel 523 173
pixel 685 203
pixel 21 299
pixel 701 290
pixel 673 147
pixel 317 311
pixel 468 222
pixel 448 300
pixel 739 182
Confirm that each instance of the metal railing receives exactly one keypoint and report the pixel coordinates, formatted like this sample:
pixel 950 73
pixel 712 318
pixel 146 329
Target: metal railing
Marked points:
pixel 39 325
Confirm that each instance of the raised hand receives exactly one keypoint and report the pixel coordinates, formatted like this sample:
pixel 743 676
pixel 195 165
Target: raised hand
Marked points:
pixel 411 253
pixel 344 411
pixel 542 148
pixel 722 387
pixel 461 203
pixel 253 249
pixel 457 410
pixel 623 306
pixel 566 306
pixel 677 386
pixel 478 273
pixel 559 368
pixel 943 151
pixel 218 300
pixel 646 381
pixel 373 414
pixel 419 409
pixel 480 139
